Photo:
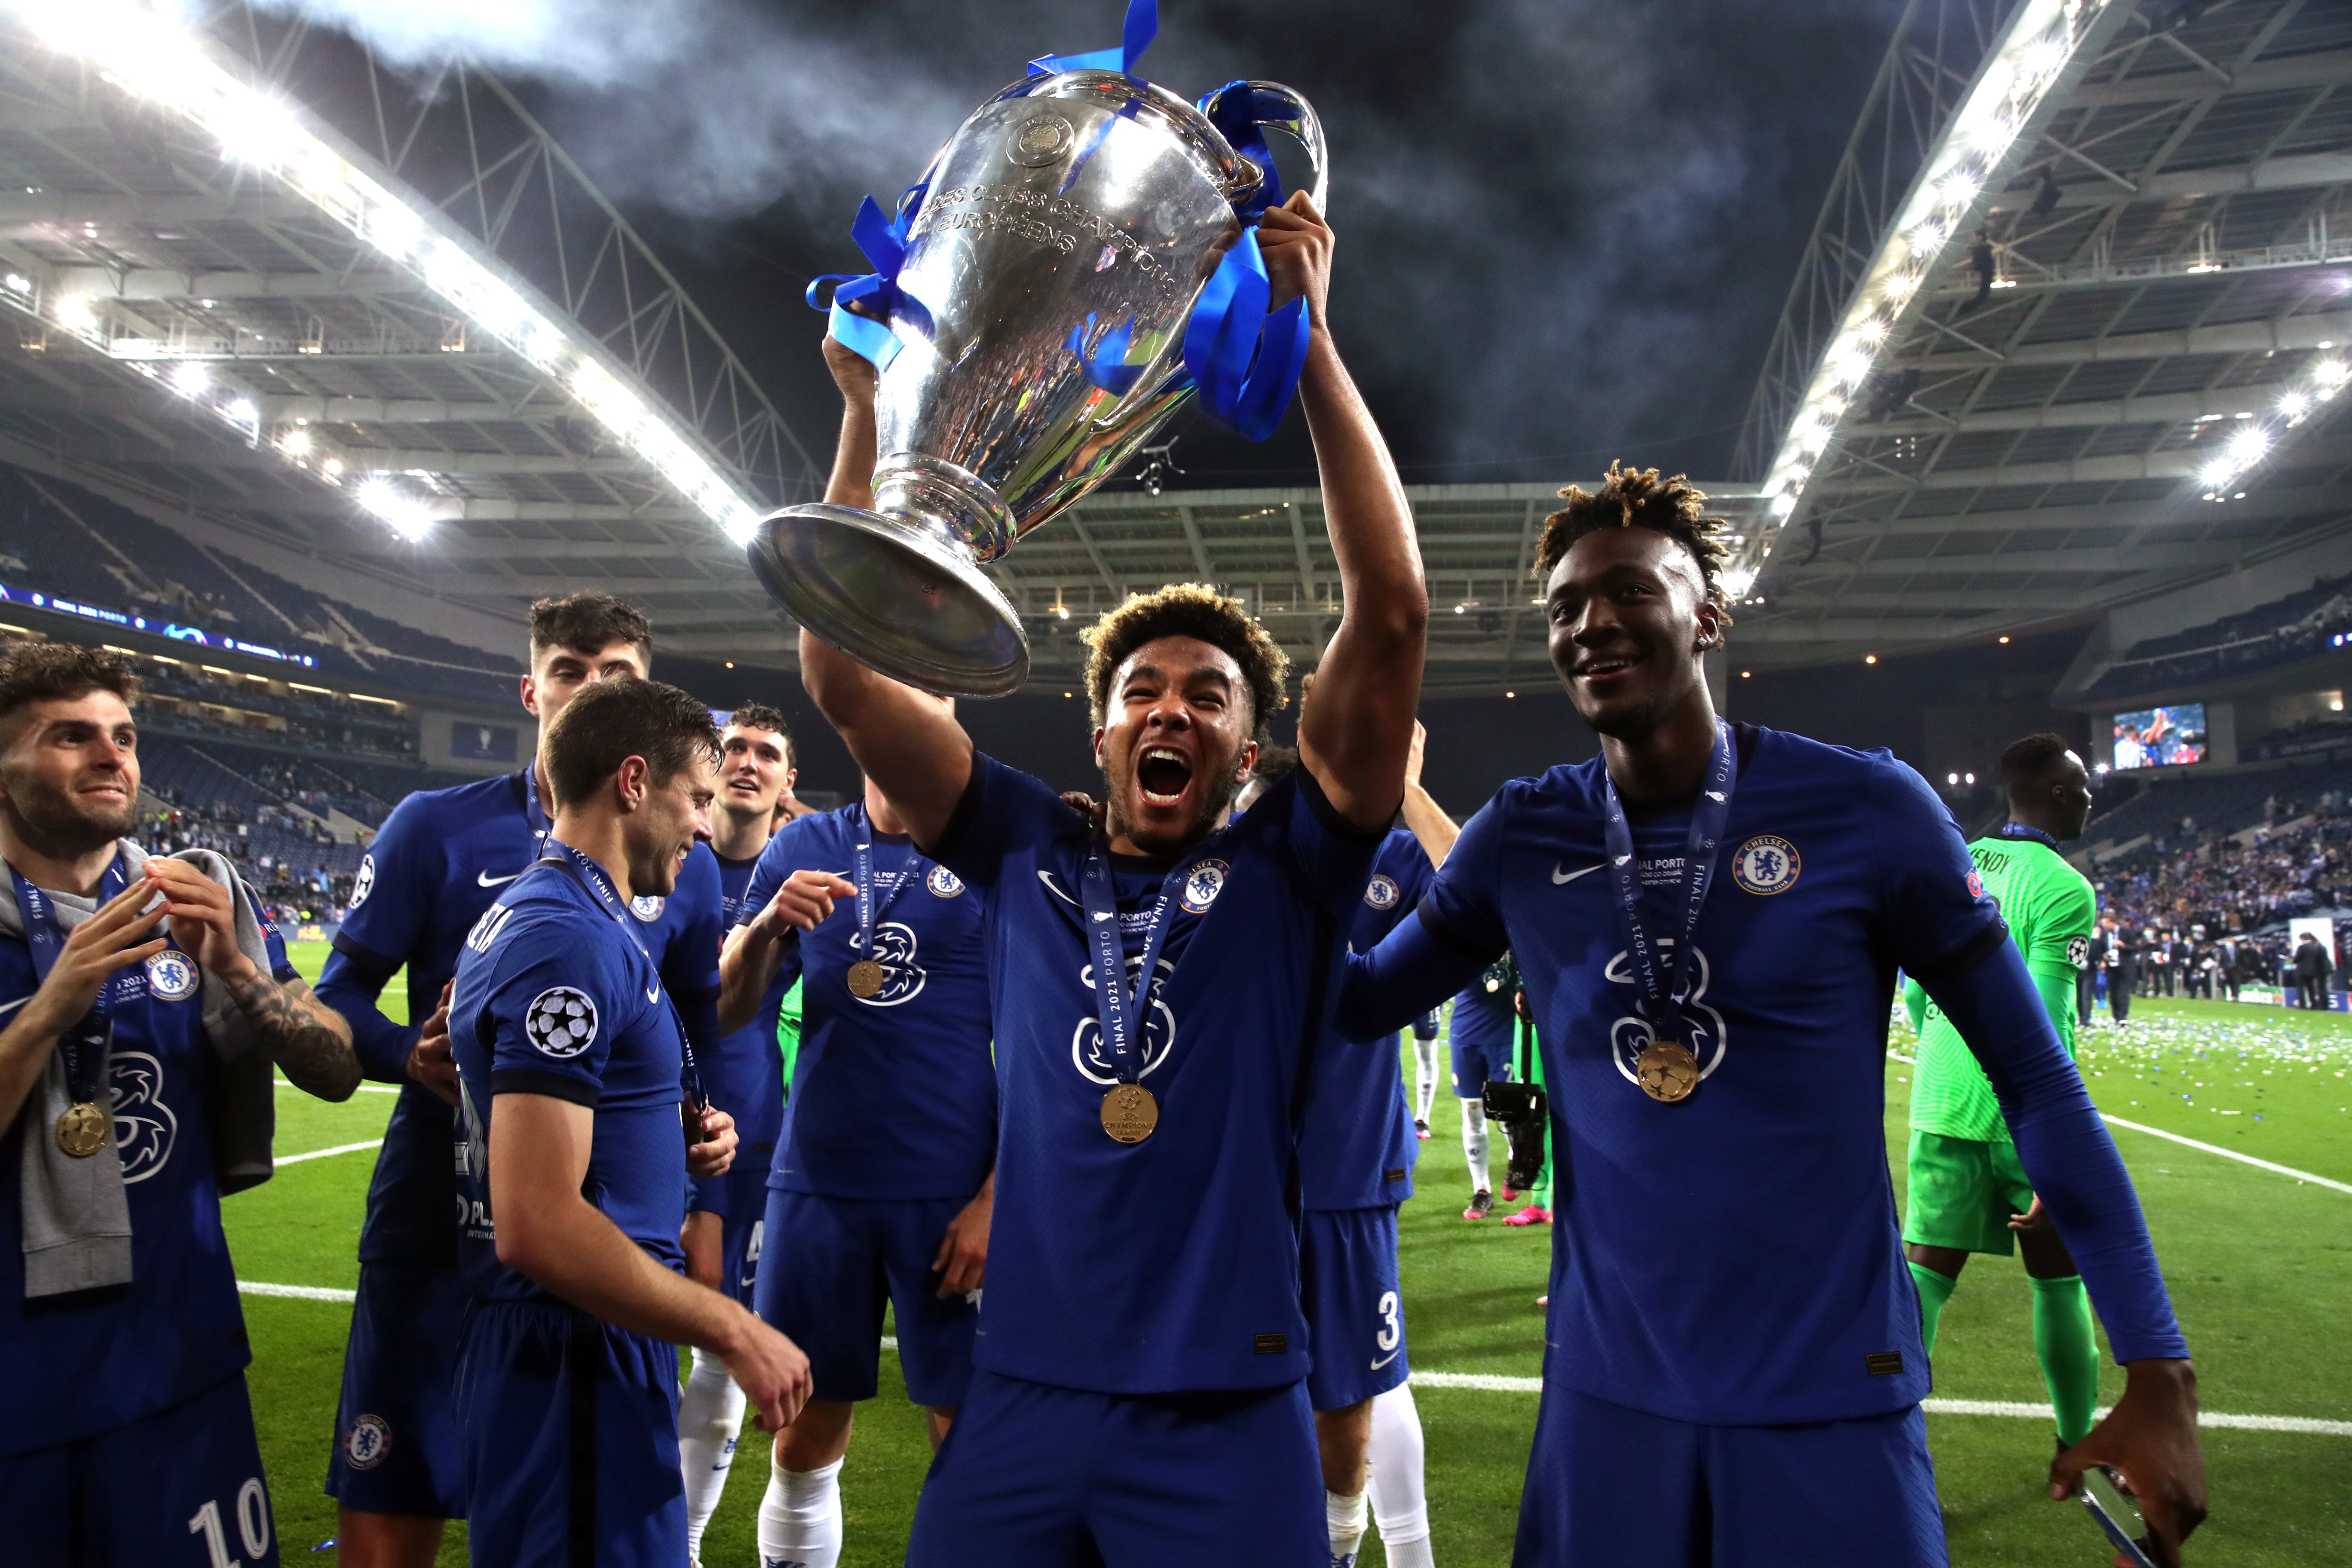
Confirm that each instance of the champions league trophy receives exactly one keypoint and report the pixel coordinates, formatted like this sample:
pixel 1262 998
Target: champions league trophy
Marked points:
pixel 1075 264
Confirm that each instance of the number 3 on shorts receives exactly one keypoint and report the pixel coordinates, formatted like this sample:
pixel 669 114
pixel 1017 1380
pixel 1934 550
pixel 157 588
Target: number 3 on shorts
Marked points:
pixel 1391 1329
pixel 252 1525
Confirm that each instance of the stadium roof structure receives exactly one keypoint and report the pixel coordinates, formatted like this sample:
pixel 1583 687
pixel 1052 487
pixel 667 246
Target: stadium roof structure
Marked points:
pixel 2070 328
pixel 256 279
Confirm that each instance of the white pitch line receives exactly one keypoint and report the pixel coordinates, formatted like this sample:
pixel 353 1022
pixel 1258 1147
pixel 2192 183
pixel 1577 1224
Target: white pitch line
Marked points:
pixel 1487 1382
pixel 299 1292
pixel 2230 1154
pixel 323 1153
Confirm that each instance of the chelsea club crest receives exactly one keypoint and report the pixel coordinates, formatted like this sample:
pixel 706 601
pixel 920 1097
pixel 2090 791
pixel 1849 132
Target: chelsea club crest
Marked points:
pixel 1381 892
pixel 648 910
pixel 1766 865
pixel 943 883
pixel 171 975
pixel 1203 885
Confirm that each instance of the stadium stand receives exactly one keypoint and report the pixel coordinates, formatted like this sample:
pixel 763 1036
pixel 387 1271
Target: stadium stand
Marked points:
pixel 63 539
pixel 2295 627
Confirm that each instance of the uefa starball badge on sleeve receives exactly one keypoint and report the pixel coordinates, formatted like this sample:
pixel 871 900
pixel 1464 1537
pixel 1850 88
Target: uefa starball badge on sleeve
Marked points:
pixel 1078 262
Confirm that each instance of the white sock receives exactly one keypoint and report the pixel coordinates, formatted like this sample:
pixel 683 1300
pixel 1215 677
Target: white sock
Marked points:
pixel 1424 1078
pixel 709 1416
pixel 800 1519
pixel 1400 1505
pixel 1345 1518
pixel 1474 1143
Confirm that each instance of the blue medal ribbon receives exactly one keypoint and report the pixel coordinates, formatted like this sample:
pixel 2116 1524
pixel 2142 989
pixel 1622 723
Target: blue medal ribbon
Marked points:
pixel 592 879
pixel 1123 1037
pixel 2019 830
pixel 1661 988
pixel 869 915
pixel 84 1048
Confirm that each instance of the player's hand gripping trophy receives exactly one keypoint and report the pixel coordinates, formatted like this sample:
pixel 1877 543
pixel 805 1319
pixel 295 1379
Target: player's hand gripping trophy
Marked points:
pixel 1077 261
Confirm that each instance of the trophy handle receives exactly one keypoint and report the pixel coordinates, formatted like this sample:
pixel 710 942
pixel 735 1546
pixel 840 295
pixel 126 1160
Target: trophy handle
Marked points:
pixel 1271 103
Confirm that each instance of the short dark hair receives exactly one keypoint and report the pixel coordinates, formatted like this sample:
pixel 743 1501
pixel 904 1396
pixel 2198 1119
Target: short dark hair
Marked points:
pixel 1187 610
pixel 1273 765
pixel 589 621
pixel 759 716
pixel 1638 497
pixel 611 721
pixel 2033 760
pixel 59 671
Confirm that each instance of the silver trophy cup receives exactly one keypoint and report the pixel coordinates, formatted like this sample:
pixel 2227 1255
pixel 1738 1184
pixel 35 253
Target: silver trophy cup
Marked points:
pixel 1067 232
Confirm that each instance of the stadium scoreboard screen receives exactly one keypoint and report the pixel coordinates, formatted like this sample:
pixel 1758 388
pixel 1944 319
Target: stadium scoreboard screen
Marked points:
pixel 2160 737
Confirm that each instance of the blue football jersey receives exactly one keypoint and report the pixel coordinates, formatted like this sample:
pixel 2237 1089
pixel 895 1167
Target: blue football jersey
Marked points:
pixel 75 1365
pixel 554 998
pixel 893 1095
pixel 1733 1259
pixel 1170 1264
pixel 745 1074
pixel 441 858
pixel 1356 1147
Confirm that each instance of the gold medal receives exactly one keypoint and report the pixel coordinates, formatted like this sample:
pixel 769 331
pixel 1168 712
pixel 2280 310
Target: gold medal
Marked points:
pixel 866 978
pixel 1667 1072
pixel 1130 1113
pixel 82 1130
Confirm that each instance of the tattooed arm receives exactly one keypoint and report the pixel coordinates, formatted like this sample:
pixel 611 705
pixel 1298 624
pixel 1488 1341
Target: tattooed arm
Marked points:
pixel 308 1040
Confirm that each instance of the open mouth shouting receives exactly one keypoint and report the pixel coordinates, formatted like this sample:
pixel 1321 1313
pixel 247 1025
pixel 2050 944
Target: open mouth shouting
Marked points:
pixel 1163 776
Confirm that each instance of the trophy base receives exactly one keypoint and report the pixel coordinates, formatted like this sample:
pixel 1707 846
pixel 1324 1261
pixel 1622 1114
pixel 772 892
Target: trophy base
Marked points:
pixel 900 598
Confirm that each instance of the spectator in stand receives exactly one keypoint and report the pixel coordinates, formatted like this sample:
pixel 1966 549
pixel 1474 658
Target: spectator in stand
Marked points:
pixel 2123 970
pixel 2312 969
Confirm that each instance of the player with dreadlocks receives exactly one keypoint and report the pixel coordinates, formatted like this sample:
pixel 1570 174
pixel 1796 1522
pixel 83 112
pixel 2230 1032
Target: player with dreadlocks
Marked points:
pixel 1707 919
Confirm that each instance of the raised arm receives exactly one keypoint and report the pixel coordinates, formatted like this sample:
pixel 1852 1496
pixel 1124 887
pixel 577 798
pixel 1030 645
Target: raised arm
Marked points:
pixel 908 741
pixel 1353 737
pixel 1423 816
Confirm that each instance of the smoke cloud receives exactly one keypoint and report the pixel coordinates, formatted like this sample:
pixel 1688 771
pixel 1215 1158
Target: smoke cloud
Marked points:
pixel 1567 226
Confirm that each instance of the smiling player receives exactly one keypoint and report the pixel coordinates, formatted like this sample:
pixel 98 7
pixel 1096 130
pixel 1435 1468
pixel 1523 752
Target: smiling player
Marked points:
pixel 142 1005
pixel 1159 992
pixel 575 1081
pixel 1731 1320
pixel 440 860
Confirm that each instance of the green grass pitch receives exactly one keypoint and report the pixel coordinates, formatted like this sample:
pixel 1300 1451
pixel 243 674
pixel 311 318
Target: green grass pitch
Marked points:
pixel 2260 1267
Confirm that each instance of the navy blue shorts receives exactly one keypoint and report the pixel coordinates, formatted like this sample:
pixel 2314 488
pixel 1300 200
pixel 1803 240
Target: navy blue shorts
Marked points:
pixel 396 1448
pixel 182 1488
pixel 570 1428
pixel 1477 1066
pixel 827 1269
pixel 740 1231
pixel 1354 1316
pixel 1606 1484
pixel 1031 1477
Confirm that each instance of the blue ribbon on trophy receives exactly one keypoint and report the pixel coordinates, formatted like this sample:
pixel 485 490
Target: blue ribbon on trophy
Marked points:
pixel 1142 26
pixel 1244 360
pixel 884 241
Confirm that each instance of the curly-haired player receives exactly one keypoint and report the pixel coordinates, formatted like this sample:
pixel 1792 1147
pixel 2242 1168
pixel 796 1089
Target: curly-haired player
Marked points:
pixel 1707 919
pixel 1138 1393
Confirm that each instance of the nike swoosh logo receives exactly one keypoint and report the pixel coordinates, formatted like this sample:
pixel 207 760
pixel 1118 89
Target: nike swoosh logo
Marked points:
pixel 1559 881
pixel 485 879
pixel 654 994
pixel 1055 887
pixel 1388 1358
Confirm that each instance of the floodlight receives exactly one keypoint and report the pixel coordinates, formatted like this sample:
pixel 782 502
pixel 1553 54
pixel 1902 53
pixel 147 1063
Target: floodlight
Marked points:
pixel 189 378
pixel 405 514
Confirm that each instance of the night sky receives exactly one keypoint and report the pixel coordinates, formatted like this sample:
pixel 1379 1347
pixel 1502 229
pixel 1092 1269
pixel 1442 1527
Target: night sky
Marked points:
pixel 1566 228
